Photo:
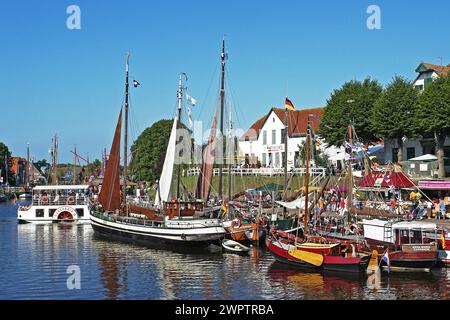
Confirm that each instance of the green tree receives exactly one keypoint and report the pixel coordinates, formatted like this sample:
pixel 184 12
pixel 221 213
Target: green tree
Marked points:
pixel 392 113
pixel 149 151
pixel 352 102
pixel 4 151
pixel 431 115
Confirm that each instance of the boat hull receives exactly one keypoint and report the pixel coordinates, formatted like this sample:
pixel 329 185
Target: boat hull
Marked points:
pixel 281 255
pixel 341 264
pixel 423 258
pixel 157 236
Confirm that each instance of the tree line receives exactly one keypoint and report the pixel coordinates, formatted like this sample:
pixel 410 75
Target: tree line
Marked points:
pixel 397 112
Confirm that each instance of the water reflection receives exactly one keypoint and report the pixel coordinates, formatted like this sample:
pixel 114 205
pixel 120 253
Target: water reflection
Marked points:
pixel 34 260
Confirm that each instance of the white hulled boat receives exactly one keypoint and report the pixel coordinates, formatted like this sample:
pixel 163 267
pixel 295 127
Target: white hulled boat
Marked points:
pixel 56 203
pixel 114 217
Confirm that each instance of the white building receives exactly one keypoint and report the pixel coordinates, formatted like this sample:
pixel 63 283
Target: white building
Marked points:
pixel 426 145
pixel 264 140
pixel 427 73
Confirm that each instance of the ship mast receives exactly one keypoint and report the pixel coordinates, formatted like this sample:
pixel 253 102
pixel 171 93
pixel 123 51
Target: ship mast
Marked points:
pixel 285 155
pixel 350 174
pixel 125 147
pixel 180 104
pixel 308 142
pixel 28 165
pixel 75 165
pixel 230 145
pixel 222 105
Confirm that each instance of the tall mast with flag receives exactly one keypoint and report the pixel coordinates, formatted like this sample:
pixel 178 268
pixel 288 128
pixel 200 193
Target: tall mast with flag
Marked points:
pixel 125 144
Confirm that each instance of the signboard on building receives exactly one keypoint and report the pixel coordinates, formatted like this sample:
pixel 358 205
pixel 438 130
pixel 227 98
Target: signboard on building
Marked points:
pixel 274 148
pixel 441 185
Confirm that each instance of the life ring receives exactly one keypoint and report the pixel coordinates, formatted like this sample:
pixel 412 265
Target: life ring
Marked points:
pixel 71 200
pixel 44 200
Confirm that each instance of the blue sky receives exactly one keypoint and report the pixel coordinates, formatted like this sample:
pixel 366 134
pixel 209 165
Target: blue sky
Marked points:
pixel 72 81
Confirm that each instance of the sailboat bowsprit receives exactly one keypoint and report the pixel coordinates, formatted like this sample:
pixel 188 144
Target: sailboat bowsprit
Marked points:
pixel 117 219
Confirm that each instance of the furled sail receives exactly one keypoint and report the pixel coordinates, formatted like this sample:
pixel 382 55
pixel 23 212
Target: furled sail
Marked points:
pixel 165 181
pixel 109 196
pixel 205 178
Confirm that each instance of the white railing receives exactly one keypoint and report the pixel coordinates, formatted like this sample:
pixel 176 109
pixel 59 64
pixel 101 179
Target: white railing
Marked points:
pixel 318 171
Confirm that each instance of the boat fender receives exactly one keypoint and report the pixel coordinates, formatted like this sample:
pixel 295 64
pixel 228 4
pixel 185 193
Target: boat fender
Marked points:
pixel 183 236
pixel 71 200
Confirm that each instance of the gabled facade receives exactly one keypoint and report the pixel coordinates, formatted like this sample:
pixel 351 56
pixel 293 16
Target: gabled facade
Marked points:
pixel 264 140
pixel 427 73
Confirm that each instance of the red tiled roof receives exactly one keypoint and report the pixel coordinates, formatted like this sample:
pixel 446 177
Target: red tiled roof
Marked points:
pixel 297 121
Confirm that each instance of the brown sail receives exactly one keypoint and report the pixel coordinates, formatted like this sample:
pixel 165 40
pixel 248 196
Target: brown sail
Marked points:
pixel 109 196
pixel 205 178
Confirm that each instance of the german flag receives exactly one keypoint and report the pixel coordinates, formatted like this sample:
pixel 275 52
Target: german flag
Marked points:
pixel 288 105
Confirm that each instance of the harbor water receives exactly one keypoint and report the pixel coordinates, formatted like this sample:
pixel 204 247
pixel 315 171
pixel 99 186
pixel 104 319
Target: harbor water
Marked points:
pixel 37 262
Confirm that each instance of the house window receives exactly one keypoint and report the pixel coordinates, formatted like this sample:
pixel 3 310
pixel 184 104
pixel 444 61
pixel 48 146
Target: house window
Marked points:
pixel 274 137
pixel 264 160
pixel 420 87
pixel 277 160
pixel 410 153
pixel 394 155
pixel 39 213
pixel 283 135
pixel 264 137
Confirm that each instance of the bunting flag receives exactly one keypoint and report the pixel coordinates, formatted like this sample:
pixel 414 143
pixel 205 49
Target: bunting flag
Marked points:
pixel 136 83
pixel 288 105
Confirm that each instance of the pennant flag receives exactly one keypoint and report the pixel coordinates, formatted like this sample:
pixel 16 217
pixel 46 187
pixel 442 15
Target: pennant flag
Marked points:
pixel 387 260
pixel 288 105
pixel 191 100
pixel 443 239
pixel 136 83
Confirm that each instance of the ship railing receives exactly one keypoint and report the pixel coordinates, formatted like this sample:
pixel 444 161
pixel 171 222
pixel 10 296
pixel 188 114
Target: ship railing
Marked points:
pixel 61 200
pixel 136 221
pixel 317 171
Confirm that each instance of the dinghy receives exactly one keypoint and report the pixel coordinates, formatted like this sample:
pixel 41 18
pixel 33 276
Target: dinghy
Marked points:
pixel 234 246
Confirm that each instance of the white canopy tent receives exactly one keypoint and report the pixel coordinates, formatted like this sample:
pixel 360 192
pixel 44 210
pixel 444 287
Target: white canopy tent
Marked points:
pixel 425 157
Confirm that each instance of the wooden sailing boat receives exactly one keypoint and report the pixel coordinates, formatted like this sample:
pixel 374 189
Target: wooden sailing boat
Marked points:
pixel 114 218
pixel 236 229
pixel 304 253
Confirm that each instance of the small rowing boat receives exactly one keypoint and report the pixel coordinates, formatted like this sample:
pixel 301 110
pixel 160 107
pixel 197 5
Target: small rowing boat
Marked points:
pixel 234 246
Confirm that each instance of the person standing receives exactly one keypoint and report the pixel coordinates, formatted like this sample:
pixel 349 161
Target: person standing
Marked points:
pixel 442 208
